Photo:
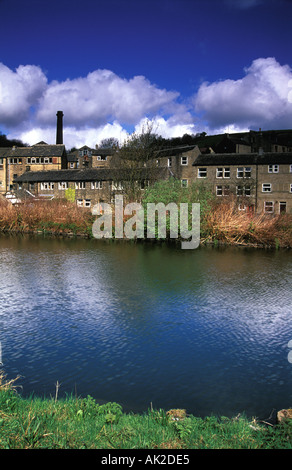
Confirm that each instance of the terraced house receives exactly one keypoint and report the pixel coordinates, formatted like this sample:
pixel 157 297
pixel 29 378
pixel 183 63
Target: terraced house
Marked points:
pixel 17 161
pixel 261 182
pixel 89 186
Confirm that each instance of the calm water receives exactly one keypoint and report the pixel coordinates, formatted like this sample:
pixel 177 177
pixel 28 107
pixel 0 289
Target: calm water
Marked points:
pixel 206 330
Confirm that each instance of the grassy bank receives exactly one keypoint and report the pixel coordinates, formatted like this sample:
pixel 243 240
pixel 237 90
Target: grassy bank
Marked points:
pixel 81 423
pixel 221 223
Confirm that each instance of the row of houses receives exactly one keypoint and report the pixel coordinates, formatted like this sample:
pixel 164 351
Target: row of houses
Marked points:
pixel 261 181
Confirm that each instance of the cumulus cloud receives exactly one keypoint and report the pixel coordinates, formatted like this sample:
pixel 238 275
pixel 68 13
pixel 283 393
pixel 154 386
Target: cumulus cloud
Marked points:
pixel 102 104
pixel 19 91
pixel 260 98
pixel 103 96
pixel 73 137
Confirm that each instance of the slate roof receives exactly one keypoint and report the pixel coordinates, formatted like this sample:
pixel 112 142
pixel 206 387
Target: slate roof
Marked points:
pixel 243 159
pixel 91 174
pixel 169 152
pixel 38 150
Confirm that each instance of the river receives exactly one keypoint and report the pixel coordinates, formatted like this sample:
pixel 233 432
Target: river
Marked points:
pixel 146 325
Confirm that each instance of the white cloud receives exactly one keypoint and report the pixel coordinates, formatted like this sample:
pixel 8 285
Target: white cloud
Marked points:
pixel 168 128
pixel 19 91
pixel 260 98
pixel 103 105
pixel 73 137
pixel 103 96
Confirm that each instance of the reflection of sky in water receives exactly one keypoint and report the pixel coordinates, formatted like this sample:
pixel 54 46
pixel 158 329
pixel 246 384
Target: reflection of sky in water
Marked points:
pixel 136 324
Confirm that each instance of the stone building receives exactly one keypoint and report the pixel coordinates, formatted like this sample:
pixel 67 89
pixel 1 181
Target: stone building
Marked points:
pixel 88 186
pixel 16 161
pixel 261 182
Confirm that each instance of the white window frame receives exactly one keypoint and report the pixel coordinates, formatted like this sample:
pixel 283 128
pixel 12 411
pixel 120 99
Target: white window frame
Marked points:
pixel 46 186
pixel 63 185
pixel 169 162
pixel 222 190
pixel 266 188
pixel 219 172
pixel 184 160
pixel 243 172
pixel 273 168
pixel 291 188
pixel 202 172
pixel 243 191
pixel 184 183
pixel 80 185
pixel 96 184
pixel 269 205
pixel 100 158
pixel 87 202
pixel 117 186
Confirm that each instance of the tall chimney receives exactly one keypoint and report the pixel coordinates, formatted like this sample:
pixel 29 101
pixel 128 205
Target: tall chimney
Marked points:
pixel 59 135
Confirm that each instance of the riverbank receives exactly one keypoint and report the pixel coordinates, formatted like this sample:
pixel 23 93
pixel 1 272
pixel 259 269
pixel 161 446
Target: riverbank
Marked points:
pixel 81 423
pixel 223 224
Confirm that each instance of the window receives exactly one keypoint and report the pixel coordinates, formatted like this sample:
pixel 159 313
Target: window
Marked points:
pixel 290 188
pixel 87 203
pixel 243 172
pixel 269 206
pixel 219 173
pixel 243 191
pixel 273 168
pixel 184 160
pixel 202 172
pixel 117 186
pixel 169 162
pixel 71 164
pixel 96 185
pixel 14 161
pixel 266 188
pixel 282 207
pixel 144 184
pixel 63 185
pixel 47 186
pixel 184 183
pixel 80 185
pixel 242 207
pixel 290 168
pixel 223 173
pixel 80 202
pixel 222 190
pixel 101 158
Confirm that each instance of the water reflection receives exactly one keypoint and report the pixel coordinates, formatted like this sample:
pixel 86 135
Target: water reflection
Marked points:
pixel 205 330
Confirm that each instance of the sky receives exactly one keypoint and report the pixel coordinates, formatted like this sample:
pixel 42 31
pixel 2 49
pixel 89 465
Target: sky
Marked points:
pixel 185 66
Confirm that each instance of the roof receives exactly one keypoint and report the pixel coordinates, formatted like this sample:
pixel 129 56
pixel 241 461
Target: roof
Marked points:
pixel 38 150
pixel 243 159
pixel 169 152
pixel 90 174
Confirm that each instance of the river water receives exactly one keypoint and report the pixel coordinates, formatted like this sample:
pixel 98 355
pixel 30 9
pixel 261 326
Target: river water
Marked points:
pixel 145 325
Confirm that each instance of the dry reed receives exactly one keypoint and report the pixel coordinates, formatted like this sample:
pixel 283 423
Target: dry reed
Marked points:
pixel 51 216
pixel 226 224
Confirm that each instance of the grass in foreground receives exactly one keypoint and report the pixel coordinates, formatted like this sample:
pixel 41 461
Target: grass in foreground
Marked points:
pixel 81 423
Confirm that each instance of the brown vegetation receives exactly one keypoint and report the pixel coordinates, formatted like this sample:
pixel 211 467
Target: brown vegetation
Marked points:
pixel 57 216
pixel 226 224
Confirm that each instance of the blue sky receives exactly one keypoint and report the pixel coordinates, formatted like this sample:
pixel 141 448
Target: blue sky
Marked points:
pixel 186 65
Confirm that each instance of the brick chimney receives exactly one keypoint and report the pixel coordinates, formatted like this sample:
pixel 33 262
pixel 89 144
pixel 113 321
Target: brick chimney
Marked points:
pixel 59 134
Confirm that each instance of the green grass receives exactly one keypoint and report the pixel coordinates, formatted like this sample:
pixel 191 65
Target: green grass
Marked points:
pixel 81 423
